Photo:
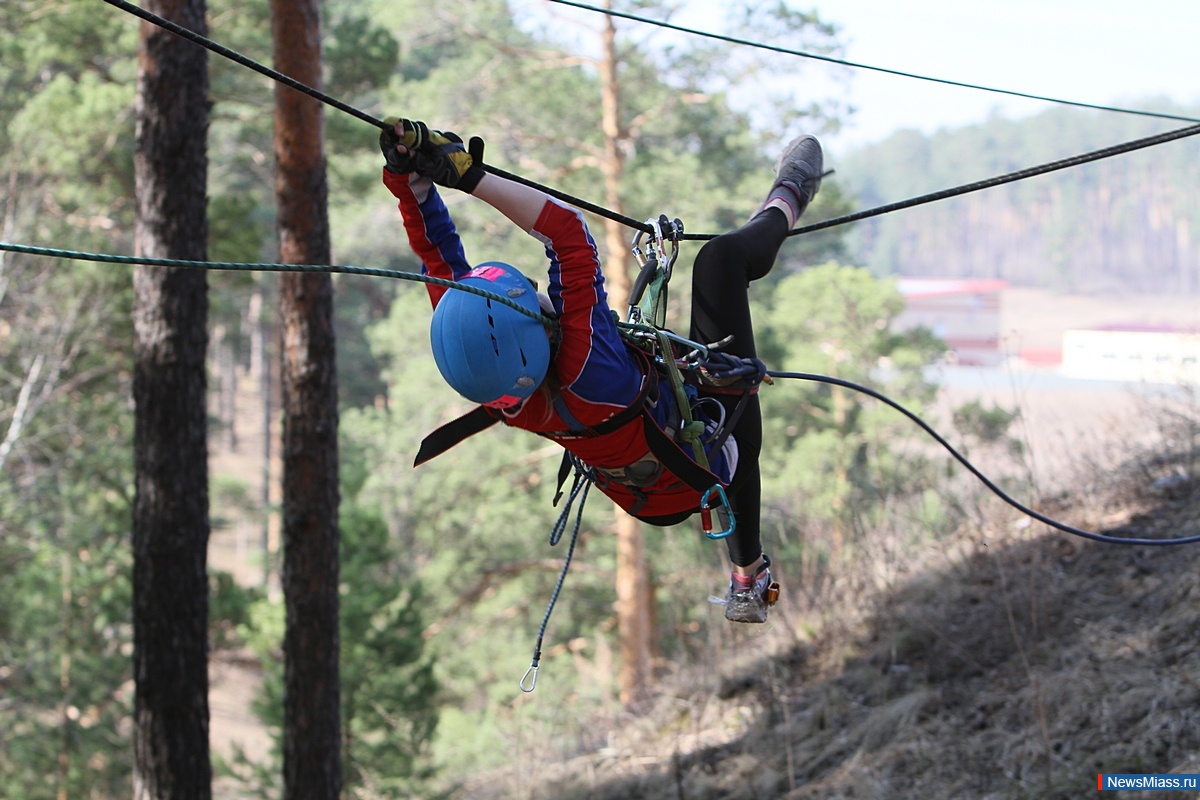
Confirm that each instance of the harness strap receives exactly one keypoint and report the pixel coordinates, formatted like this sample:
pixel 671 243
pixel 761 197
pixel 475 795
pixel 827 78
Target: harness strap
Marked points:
pixel 674 459
pixel 647 394
pixel 732 421
pixel 453 432
pixel 482 418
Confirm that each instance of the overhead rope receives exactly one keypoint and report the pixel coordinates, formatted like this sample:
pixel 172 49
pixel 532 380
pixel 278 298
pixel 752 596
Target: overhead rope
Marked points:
pixel 1053 523
pixel 1072 161
pixel 275 75
pixel 234 266
pixel 844 63
pixel 630 222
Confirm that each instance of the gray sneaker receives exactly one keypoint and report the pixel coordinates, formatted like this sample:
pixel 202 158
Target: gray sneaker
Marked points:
pixel 800 168
pixel 750 604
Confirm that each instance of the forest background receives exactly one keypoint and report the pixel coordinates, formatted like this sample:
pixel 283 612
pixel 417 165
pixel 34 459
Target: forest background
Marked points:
pixel 445 569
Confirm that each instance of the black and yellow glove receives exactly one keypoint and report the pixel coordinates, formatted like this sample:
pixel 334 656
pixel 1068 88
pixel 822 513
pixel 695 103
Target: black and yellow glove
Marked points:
pixel 415 134
pixel 442 158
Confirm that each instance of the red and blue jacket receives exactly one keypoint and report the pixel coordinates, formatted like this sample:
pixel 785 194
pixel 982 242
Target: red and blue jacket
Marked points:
pixel 594 377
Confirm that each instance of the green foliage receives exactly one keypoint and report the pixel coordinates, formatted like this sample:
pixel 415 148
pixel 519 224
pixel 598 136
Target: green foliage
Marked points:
pixel 1114 225
pixel 359 55
pixel 65 629
pixel 229 608
pixel 829 449
pixel 389 695
pixel 986 424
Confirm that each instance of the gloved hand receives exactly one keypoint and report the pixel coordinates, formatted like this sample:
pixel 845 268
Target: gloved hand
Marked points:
pixel 415 134
pixel 442 158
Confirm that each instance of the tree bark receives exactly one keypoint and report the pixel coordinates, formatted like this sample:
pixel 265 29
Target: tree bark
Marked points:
pixel 635 594
pixel 170 512
pixel 312 738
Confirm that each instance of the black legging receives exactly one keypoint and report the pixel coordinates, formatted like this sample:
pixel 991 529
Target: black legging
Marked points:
pixel 721 276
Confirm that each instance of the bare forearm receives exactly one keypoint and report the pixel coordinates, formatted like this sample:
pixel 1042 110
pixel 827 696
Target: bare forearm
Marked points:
pixel 520 203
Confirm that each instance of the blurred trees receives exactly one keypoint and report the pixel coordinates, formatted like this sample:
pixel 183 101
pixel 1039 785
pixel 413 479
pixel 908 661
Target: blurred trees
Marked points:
pixel 65 423
pixel 1123 224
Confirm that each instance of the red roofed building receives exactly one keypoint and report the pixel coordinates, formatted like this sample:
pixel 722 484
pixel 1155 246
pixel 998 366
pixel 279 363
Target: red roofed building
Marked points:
pixel 964 313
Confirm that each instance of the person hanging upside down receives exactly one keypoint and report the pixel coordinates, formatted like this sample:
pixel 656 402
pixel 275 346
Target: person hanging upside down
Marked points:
pixel 581 385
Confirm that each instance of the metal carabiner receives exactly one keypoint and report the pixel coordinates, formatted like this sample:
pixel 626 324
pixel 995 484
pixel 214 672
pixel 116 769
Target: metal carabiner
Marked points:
pixel 722 508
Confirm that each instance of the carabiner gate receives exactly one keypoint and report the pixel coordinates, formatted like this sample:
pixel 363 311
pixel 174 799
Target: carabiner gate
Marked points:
pixel 723 511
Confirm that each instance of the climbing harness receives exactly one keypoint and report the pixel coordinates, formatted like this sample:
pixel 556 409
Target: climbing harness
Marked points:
pixel 684 364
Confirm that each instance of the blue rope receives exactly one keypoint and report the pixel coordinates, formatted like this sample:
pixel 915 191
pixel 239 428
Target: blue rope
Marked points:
pixel 583 482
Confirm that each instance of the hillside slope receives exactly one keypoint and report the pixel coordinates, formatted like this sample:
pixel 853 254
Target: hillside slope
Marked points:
pixel 1020 668
pixel 1121 224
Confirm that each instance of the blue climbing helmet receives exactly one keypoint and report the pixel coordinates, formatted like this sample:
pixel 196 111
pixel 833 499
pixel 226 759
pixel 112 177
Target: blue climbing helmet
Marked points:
pixel 487 351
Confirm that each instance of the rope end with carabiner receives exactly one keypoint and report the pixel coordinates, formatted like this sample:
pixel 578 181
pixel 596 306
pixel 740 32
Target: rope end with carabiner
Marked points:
pixel 529 677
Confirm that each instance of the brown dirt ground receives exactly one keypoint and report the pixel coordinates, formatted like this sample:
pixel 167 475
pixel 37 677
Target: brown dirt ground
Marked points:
pixel 1018 665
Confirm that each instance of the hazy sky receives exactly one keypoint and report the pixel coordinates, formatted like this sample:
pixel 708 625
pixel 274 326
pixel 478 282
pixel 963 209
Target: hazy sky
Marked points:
pixel 1108 52
pixel 1094 51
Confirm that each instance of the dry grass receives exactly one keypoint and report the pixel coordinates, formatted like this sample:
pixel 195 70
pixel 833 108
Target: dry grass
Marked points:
pixel 1017 664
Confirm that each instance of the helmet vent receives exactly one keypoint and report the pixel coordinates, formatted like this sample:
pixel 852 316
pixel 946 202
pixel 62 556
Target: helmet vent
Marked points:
pixel 492 325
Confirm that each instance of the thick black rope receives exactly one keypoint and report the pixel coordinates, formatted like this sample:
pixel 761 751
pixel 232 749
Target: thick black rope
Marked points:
pixel 854 65
pixel 221 50
pixel 1053 523
pixel 275 75
pixel 1073 161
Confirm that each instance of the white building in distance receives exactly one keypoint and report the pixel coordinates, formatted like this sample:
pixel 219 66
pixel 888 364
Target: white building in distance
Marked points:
pixel 1142 353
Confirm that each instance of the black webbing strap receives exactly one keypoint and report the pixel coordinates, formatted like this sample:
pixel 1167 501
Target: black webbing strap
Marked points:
pixel 647 393
pixel 732 421
pixel 667 451
pixel 454 432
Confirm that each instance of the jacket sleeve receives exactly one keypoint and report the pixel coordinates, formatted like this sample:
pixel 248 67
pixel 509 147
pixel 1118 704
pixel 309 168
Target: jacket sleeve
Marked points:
pixel 592 362
pixel 430 229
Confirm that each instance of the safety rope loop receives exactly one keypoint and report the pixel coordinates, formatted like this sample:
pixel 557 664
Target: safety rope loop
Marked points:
pixel 530 676
pixel 724 367
pixel 1053 523
pixel 583 478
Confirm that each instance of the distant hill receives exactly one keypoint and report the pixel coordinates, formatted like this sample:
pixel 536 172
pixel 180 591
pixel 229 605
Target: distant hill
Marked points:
pixel 1130 223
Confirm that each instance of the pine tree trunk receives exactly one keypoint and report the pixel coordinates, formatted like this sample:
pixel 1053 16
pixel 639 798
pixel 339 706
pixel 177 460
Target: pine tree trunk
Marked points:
pixel 170 513
pixel 635 595
pixel 312 739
